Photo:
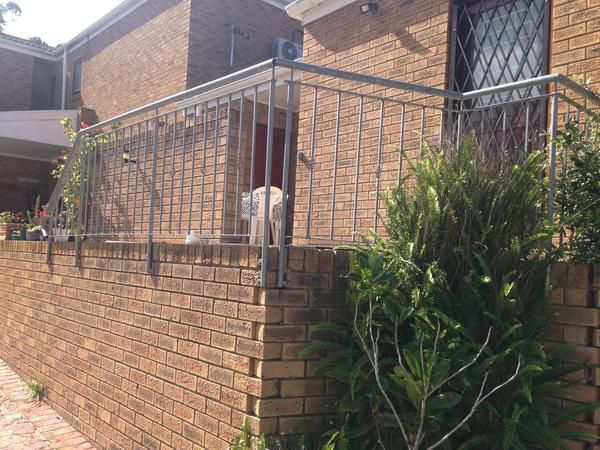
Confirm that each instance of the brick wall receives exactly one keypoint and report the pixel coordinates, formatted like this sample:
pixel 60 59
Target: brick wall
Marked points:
pixel 210 37
pixel 16 195
pixel 176 359
pixel 16 74
pixel 139 59
pixel 576 299
pixel 405 41
pixel 575 45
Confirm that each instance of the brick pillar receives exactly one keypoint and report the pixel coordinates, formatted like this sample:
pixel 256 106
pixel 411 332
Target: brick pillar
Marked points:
pixel 576 299
pixel 294 398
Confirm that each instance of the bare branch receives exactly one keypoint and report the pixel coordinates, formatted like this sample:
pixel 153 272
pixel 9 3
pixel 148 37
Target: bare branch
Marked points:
pixel 478 401
pixel 373 359
pixel 466 366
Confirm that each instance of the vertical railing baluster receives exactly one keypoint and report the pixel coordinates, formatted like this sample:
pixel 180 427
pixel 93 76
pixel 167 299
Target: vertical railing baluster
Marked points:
pixel 401 149
pixel 120 197
pixel 215 162
pixel 422 132
pixel 82 157
pixel 149 243
pixel 174 152
pixel 203 168
pixel 162 174
pixel 129 162
pixel 378 170
pixel 89 150
pixel 552 151
pixel 137 175
pixel 238 165
pixel 191 199
pixel 252 156
pixel 112 186
pixel 459 125
pixel 526 143
pixel 289 119
pixel 311 161
pixel 226 175
pixel 264 268
pixel 441 139
pixel 146 137
pixel 335 164
pixel 184 131
pixel 357 167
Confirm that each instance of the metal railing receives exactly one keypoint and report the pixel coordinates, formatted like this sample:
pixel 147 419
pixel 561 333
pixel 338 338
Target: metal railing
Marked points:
pixel 331 141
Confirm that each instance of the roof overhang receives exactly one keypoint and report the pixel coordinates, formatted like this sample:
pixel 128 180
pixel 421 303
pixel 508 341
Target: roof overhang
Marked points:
pixel 310 10
pixel 113 16
pixel 27 50
pixel 35 135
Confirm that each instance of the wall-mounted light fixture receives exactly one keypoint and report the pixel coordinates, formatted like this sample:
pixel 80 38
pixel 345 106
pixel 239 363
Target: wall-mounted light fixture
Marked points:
pixel 368 7
pixel 127 157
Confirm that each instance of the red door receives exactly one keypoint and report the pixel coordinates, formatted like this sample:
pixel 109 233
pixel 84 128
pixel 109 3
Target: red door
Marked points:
pixel 260 156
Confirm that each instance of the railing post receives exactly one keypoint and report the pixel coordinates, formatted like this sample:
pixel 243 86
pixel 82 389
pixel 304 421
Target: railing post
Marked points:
pixel 552 151
pixel 82 203
pixel 152 195
pixel 264 268
pixel 285 181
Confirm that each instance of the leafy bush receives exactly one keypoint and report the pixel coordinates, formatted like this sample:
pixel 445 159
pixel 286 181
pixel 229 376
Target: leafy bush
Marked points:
pixel 446 346
pixel 578 195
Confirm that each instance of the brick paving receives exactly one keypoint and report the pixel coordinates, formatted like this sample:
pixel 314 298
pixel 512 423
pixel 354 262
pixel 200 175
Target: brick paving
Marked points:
pixel 29 425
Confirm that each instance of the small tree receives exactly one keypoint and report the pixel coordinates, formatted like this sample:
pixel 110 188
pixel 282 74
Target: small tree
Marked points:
pixel 578 195
pixel 8 9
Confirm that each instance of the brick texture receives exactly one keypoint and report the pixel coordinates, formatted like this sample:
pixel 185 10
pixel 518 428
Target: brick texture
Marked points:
pixel 258 25
pixel 575 43
pixel 15 80
pixel 577 305
pixel 404 41
pixel 174 359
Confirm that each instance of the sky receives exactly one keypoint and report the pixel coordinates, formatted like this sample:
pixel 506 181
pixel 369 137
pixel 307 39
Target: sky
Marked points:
pixel 57 21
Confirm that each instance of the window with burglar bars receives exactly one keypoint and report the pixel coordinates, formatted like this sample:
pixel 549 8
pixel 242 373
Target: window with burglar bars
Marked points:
pixel 498 42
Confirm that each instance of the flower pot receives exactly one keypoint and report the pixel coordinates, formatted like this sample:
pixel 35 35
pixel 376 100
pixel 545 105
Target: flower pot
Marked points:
pixel 6 230
pixel 33 235
pixel 61 235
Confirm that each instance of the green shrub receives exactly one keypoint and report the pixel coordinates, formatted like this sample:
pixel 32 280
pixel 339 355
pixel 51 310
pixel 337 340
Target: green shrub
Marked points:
pixel 446 349
pixel 578 194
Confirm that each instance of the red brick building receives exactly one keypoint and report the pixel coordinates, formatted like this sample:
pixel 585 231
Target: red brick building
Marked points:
pixel 141 51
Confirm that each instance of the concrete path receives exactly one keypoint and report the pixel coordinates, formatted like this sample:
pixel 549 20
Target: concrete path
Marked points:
pixel 29 425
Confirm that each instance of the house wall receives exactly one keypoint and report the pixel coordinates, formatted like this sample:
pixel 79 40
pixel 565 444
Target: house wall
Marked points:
pixel 258 25
pixel 575 45
pixel 174 359
pixel 17 195
pixel 141 58
pixel 405 41
pixel 16 74
pixel 576 301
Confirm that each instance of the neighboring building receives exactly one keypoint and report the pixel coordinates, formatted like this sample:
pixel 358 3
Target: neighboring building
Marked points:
pixel 141 51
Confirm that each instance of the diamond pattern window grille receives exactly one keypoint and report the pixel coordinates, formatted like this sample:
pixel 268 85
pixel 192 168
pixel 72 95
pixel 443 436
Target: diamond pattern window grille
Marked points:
pixel 498 42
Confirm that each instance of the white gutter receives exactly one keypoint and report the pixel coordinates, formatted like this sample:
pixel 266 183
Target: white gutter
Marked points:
pixel 310 10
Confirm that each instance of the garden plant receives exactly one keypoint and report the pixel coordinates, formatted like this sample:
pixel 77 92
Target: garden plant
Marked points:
pixel 446 346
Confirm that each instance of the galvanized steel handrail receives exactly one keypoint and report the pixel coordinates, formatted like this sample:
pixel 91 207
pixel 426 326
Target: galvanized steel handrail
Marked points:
pixel 453 105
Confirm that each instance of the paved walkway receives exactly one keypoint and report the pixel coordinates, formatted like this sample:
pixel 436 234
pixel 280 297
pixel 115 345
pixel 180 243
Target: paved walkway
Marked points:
pixel 30 425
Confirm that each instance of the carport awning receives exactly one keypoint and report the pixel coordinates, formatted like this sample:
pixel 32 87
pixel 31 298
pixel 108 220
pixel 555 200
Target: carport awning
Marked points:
pixel 36 135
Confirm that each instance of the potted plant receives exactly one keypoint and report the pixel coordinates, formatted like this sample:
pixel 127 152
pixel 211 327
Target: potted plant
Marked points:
pixel 34 232
pixel 8 224
pixel 34 229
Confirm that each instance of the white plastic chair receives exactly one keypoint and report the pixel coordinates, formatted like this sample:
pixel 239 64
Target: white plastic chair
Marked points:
pixel 253 210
